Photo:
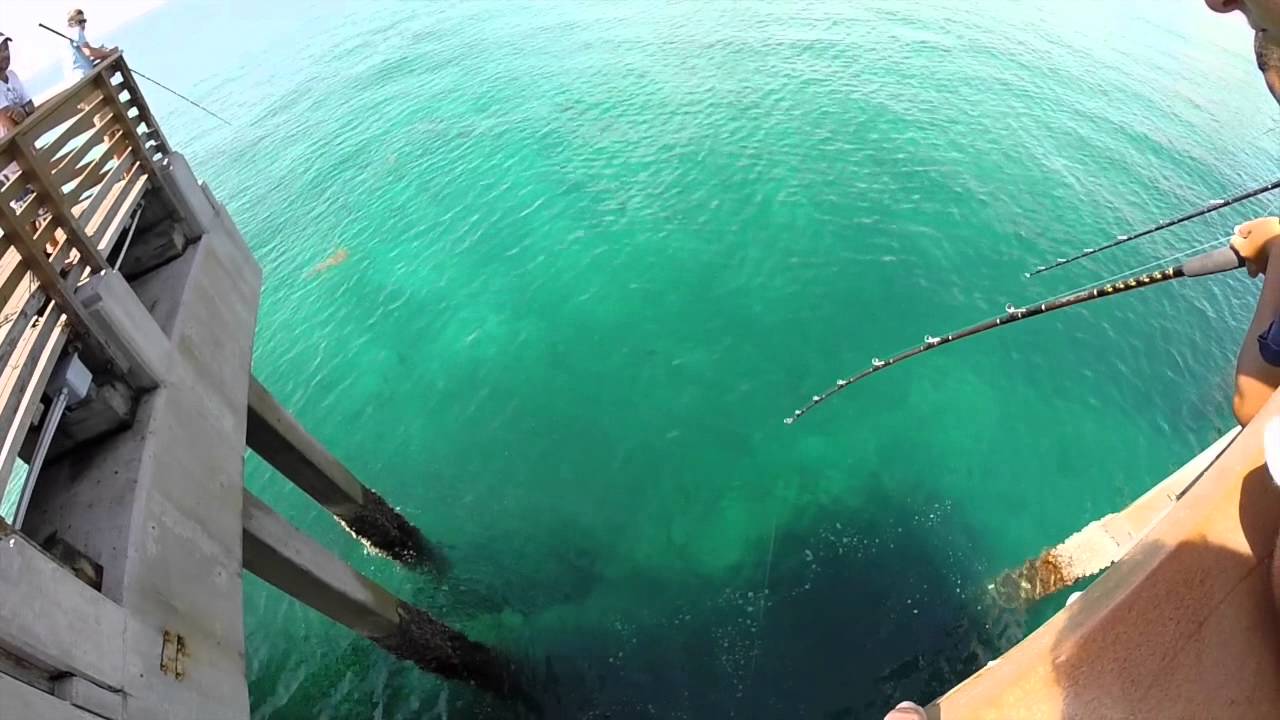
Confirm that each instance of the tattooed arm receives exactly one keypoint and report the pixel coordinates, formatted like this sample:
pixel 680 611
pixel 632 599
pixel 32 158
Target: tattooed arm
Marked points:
pixel 1267 50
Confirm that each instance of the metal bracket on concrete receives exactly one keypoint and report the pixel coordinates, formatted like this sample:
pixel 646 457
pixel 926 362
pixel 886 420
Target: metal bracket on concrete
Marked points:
pixel 172 654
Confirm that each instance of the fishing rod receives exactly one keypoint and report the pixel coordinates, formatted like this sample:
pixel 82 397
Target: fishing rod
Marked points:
pixel 161 85
pixel 1212 207
pixel 1208 263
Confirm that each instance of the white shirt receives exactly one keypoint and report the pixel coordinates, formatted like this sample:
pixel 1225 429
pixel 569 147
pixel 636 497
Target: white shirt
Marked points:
pixel 12 92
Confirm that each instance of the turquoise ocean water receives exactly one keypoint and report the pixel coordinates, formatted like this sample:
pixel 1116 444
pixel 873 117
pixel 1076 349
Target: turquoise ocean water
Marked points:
pixel 597 251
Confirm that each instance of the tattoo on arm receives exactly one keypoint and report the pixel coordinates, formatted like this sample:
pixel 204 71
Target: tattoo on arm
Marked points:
pixel 1267 51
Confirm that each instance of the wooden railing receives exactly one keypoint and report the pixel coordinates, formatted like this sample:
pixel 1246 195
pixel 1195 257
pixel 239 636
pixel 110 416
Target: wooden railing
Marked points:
pixel 71 176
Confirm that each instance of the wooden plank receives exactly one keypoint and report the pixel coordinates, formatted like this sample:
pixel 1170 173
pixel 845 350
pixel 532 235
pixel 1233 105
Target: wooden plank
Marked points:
pixel 12 190
pixel 92 176
pixel 65 172
pixel 90 210
pixel 136 94
pixel 49 234
pixel 139 123
pixel 82 124
pixel 52 195
pixel 11 270
pixel 18 324
pixel 130 132
pixel 112 63
pixel 104 235
pixel 24 379
pixel 34 258
pixel 64 108
pixel 52 619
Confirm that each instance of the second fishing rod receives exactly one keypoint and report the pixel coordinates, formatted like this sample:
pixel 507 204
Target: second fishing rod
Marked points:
pixel 1208 209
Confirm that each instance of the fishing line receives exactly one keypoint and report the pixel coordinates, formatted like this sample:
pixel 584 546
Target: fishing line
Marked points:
pixel 1139 269
pixel 1208 209
pixel 768 569
pixel 152 80
pixel 1212 207
pixel 1163 261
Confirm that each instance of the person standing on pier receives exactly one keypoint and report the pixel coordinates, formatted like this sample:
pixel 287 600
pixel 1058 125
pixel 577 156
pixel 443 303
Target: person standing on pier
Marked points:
pixel 83 54
pixel 15 103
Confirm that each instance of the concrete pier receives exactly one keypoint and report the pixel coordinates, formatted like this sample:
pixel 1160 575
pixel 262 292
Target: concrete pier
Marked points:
pixel 120 587
pixel 280 440
pixel 158 505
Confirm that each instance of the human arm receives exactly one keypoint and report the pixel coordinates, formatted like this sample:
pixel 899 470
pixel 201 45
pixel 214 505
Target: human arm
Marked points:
pixel 7 124
pixel 1267 51
pixel 22 105
pixel 1256 379
pixel 97 53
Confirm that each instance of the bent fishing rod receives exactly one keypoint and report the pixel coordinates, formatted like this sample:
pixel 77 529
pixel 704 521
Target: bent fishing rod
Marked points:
pixel 1212 207
pixel 159 84
pixel 1209 263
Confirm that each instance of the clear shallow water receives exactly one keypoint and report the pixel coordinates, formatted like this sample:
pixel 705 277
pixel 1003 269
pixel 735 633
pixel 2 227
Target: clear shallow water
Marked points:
pixel 598 250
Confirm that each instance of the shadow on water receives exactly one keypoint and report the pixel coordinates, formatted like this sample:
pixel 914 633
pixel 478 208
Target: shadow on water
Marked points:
pixel 865 607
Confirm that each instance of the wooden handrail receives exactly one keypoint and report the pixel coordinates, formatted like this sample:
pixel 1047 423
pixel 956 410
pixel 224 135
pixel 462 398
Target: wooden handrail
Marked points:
pixel 52 105
pixel 83 167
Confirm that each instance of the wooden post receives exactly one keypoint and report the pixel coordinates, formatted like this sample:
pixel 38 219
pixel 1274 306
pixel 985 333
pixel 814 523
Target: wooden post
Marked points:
pixel 131 133
pixel 46 189
pixel 143 108
pixel 38 264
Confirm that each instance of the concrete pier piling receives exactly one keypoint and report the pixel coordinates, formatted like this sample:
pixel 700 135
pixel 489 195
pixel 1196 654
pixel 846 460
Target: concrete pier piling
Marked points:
pixel 280 440
pixel 282 555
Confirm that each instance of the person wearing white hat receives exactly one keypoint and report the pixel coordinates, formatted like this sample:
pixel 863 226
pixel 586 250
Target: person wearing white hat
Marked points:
pixel 15 103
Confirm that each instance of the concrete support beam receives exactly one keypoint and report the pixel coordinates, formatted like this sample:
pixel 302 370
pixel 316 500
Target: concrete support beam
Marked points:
pixel 279 439
pixel 118 314
pixel 197 214
pixel 90 698
pixel 109 408
pixel 19 702
pixel 282 555
pixel 152 248
pixel 51 619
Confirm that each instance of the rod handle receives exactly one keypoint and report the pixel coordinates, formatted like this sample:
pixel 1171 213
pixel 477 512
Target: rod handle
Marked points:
pixel 1211 263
